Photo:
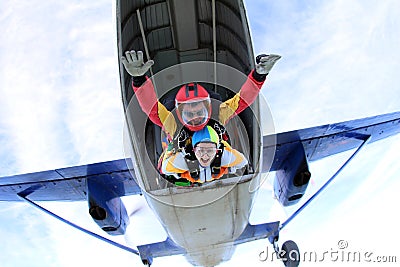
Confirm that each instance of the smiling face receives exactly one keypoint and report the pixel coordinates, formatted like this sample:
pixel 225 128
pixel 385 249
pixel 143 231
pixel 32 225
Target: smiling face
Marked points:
pixel 205 153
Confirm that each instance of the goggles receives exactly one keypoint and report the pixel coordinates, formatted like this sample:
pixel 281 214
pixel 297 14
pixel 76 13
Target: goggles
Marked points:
pixel 195 113
pixel 209 151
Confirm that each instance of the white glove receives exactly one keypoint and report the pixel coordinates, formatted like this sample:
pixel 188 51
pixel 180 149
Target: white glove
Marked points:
pixel 265 63
pixel 133 63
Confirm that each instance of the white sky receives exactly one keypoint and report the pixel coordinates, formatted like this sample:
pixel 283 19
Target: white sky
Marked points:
pixel 60 106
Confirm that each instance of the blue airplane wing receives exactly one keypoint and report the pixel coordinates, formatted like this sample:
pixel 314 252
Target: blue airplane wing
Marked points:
pixel 69 184
pixel 160 249
pixel 330 139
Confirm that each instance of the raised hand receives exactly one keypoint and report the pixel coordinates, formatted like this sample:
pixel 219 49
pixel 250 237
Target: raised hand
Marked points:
pixel 134 64
pixel 264 63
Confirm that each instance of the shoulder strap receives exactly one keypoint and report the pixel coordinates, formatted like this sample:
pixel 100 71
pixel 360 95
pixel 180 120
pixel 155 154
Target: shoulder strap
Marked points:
pixel 183 142
pixel 216 164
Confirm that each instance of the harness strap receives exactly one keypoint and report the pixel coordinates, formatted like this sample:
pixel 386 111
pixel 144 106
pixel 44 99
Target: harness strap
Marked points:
pixel 216 164
pixel 193 166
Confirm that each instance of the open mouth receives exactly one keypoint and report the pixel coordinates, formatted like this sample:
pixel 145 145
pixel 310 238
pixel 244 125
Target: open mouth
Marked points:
pixel 204 161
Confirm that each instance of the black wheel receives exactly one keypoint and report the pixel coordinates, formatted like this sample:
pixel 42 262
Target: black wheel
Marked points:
pixel 146 263
pixel 290 254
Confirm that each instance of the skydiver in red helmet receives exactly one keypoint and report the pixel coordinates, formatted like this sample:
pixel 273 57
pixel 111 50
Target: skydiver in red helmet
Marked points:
pixel 193 106
pixel 192 101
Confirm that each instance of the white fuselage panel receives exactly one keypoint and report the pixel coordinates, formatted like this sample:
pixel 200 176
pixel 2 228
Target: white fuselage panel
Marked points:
pixel 205 220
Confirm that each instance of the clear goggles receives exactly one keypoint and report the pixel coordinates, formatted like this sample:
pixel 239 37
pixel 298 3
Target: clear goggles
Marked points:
pixel 209 151
pixel 195 113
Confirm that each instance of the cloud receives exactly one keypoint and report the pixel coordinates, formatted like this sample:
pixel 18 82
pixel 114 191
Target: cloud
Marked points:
pixel 60 84
pixel 60 106
pixel 339 60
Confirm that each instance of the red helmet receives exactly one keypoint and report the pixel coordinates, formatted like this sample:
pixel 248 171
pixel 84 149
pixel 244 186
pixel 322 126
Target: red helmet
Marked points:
pixel 193 106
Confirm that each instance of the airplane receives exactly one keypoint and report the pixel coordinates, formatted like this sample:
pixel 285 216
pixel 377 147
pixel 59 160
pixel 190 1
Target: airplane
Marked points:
pixel 102 184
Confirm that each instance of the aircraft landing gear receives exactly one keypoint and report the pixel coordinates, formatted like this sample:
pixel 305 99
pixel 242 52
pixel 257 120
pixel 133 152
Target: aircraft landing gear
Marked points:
pixel 146 263
pixel 289 253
